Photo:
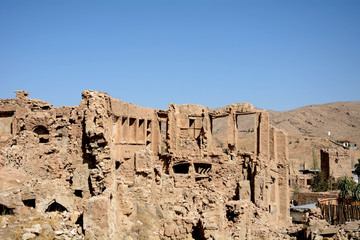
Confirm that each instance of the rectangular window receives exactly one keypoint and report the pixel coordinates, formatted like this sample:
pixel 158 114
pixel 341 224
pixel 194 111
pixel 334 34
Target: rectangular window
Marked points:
pixel 245 124
pixel 132 130
pixel 6 120
pixel 219 131
pixel 141 131
pixel 124 129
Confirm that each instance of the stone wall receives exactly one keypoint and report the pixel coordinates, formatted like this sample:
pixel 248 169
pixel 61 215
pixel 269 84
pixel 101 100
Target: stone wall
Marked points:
pixel 312 197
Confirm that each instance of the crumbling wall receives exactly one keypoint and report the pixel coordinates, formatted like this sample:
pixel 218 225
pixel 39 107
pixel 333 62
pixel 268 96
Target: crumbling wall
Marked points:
pixel 336 162
pixel 114 170
pixel 39 157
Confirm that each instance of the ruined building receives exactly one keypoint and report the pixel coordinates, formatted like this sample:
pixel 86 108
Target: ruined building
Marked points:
pixel 108 169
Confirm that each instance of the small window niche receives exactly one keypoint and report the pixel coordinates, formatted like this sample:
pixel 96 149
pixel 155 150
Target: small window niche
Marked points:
pixel 148 129
pixel 31 203
pixel 132 130
pixel 202 168
pixel 78 193
pixel 117 165
pixel 124 131
pixel 116 129
pixel 192 127
pixel 163 130
pixel 141 131
pixel 43 134
pixel 163 127
pixel 195 125
pixel 191 123
pixel 6 121
pixel 181 168
pixel 56 207
pixel 4 210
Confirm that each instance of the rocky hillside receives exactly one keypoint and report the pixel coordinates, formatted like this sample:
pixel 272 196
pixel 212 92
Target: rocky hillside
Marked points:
pixel 308 127
pixel 342 119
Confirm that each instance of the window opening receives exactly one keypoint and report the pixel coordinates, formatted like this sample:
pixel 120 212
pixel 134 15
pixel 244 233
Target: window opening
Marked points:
pixel 198 231
pixel 124 129
pixel 325 164
pixel 117 164
pixel 78 193
pixel 30 203
pixel 6 119
pixel 181 168
pixel 43 134
pixel 246 129
pixel 202 168
pixel 80 222
pixel 4 210
pixel 148 128
pixel 132 129
pixel 41 130
pixel 141 132
pixel 163 130
pixel 56 207
pixel 116 129
pixel 219 131
pixel 191 123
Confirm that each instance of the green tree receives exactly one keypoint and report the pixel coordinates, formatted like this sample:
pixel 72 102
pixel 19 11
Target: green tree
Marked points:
pixel 319 183
pixel 357 167
pixel 356 192
pixel 346 187
pixel 315 160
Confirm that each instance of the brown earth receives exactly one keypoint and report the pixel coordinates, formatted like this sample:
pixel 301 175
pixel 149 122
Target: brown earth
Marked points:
pixel 307 129
pixel 341 119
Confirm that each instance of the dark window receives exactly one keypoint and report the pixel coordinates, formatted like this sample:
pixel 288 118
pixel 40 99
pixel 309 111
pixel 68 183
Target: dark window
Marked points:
pixel 117 165
pixel 181 168
pixel 30 203
pixel 41 130
pixel 56 207
pixel 4 210
pixel 78 193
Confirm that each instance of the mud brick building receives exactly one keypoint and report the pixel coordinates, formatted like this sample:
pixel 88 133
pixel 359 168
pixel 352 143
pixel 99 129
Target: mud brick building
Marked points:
pixel 108 169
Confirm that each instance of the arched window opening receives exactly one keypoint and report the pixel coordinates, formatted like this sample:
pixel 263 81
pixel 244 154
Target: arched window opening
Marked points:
pixel 43 134
pixel 56 207
pixel 198 231
pixel 4 210
pixel 41 130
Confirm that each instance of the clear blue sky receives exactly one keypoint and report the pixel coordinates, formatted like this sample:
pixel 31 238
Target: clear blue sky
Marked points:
pixel 274 54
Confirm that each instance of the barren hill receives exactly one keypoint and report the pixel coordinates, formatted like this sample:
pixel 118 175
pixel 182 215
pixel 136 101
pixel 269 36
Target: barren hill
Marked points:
pixel 307 128
pixel 341 119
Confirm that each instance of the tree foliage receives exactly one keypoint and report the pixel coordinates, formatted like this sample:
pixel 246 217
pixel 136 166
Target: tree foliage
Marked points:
pixel 320 183
pixel 356 192
pixel 357 167
pixel 315 160
pixel 346 187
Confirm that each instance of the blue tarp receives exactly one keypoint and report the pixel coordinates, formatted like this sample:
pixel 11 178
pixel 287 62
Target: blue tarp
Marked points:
pixel 306 206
